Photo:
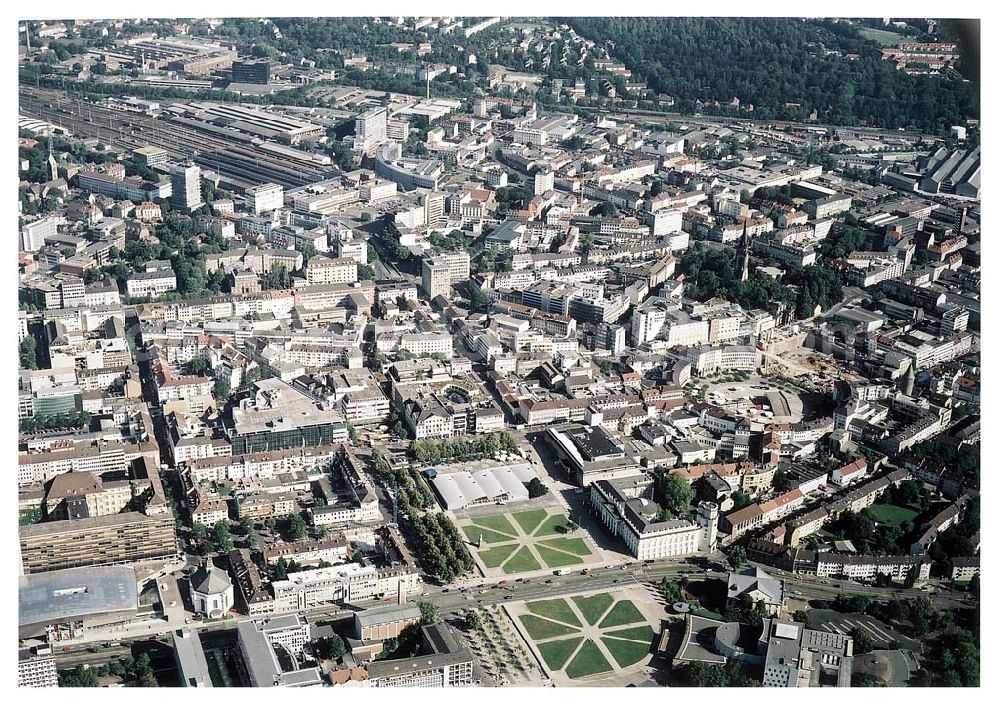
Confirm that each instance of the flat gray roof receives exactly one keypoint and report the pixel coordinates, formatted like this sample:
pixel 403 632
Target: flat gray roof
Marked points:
pixel 58 595
pixel 387 614
pixel 192 666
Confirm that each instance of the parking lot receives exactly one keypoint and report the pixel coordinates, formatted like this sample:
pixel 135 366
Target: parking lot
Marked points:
pixel 883 636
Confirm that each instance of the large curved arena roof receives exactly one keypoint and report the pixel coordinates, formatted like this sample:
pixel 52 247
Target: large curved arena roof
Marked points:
pixel 53 596
pixel 502 483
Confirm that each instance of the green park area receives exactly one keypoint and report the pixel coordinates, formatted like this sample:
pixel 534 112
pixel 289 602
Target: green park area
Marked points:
pixel 890 515
pixel 557 627
pixel 526 541
pixel 882 37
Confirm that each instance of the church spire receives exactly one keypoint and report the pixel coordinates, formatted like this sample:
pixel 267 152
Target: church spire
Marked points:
pixel 743 254
pixel 51 161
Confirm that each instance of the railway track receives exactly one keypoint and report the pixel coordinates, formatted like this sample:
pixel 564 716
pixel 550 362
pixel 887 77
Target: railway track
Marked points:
pixel 120 127
pixel 238 159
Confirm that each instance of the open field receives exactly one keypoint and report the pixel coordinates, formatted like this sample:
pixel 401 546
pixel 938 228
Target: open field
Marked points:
pixel 891 515
pixel 882 37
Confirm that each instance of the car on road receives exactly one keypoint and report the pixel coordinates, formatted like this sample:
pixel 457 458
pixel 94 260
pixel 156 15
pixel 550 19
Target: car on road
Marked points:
pixel 548 580
pixel 507 598
pixel 610 565
pixel 425 594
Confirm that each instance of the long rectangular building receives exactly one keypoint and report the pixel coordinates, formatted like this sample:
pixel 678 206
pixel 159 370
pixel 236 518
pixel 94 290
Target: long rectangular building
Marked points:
pixel 101 541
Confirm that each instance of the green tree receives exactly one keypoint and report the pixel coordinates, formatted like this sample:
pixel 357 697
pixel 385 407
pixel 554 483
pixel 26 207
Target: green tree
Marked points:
pixel 672 491
pixel 295 527
pixel 536 488
pixel 471 617
pixel 671 590
pixel 737 557
pixel 428 613
pixel 863 641
pixel 221 390
pixel 281 569
pixel 28 353
pixel 196 367
pixel 200 536
pixel 222 536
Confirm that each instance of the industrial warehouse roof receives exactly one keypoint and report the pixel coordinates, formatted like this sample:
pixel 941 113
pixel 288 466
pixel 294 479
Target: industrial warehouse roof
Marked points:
pixel 461 488
pixel 59 595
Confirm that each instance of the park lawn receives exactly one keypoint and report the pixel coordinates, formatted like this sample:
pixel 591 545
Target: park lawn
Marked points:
pixel 541 628
pixel 576 546
pixel 588 661
pixel 593 607
pixel 549 528
pixel 625 653
pixel 557 653
pixel 556 608
pixel 623 613
pixel 472 532
pixel 556 559
pixel 497 523
pixel 495 555
pixel 636 633
pixel 882 37
pixel 521 561
pixel 529 520
pixel 891 515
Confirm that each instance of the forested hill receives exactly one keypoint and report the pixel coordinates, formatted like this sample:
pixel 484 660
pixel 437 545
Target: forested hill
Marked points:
pixel 770 62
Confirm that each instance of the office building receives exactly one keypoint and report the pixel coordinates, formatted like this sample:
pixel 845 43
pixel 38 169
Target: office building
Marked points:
pixel 253 72
pixel 105 540
pixel 278 416
pixel 346 583
pixel 385 622
pixel 370 130
pixel 36 671
pixel 801 657
pixel 150 155
pixel 185 185
pixel 271 648
pixel 544 182
pixel 265 197
pixel 445 663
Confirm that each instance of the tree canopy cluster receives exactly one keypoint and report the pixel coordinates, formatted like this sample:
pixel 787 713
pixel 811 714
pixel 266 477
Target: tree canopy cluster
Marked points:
pixel 785 67
pixel 462 448
pixel 723 675
pixel 440 546
pixel 132 671
pixel 710 273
